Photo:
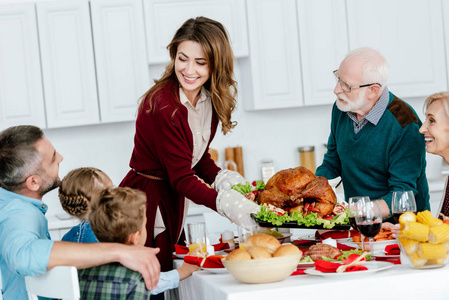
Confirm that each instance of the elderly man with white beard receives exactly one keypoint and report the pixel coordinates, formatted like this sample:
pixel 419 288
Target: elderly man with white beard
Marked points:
pixel 374 143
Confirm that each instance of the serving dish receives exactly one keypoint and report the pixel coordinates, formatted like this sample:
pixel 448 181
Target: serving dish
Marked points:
pixel 262 270
pixel 377 246
pixel 295 225
pixel 373 266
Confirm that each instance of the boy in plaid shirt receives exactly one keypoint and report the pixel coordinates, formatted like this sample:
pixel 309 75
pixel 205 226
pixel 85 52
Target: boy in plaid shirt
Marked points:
pixel 118 215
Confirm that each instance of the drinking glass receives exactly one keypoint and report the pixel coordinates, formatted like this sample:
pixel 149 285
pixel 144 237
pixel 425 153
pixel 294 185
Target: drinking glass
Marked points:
pixel 352 207
pixel 245 233
pixel 369 220
pixel 401 202
pixel 196 237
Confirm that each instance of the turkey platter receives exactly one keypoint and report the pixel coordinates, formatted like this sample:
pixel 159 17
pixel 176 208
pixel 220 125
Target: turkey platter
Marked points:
pixel 298 189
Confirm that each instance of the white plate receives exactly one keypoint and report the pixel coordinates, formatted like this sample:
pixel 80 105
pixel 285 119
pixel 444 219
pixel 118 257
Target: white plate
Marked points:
pixel 383 254
pixel 309 237
pixel 216 270
pixel 377 246
pixel 373 266
pixel 179 255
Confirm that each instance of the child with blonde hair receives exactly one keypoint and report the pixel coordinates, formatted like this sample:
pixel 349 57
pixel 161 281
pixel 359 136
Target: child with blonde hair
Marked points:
pixel 119 215
pixel 77 189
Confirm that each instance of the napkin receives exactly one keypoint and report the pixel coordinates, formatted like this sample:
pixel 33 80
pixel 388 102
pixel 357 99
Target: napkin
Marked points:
pixel 331 267
pixel 181 249
pixel 220 246
pixel 213 261
pixel 326 266
pixel 298 272
pixel 394 260
pixel 335 234
pixel 351 258
pixel 392 249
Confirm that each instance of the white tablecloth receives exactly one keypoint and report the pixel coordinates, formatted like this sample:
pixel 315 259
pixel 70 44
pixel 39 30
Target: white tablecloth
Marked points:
pixel 398 282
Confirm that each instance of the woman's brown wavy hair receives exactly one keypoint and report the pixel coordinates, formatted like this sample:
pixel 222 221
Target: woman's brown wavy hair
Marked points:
pixel 213 38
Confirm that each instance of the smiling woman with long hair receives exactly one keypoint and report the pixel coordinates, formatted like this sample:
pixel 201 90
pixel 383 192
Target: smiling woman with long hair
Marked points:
pixel 177 120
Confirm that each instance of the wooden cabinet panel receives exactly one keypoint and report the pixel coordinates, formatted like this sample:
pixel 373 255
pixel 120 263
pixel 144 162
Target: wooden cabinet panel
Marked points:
pixel 324 43
pixel 67 63
pixel 21 95
pixel 410 36
pixel 164 17
pixel 121 58
pixel 272 74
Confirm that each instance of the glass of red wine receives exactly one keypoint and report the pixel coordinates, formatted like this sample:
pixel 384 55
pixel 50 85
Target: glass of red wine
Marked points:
pixel 352 208
pixel 369 220
pixel 401 202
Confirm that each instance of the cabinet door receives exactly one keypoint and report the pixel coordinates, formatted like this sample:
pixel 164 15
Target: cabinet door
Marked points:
pixel 164 17
pixel 410 36
pixel 68 63
pixel 120 56
pixel 274 80
pixel 446 31
pixel 21 96
pixel 324 43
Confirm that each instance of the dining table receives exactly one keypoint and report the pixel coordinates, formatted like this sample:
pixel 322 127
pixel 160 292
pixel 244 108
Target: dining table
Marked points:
pixel 399 281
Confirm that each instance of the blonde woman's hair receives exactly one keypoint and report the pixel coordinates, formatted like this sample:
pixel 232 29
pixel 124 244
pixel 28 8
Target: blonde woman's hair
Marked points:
pixel 78 188
pixel 117 213
pixel 443 96
pixel 213 38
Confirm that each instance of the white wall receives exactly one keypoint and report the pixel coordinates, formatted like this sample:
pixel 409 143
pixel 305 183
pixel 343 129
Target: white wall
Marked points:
pixel 274 134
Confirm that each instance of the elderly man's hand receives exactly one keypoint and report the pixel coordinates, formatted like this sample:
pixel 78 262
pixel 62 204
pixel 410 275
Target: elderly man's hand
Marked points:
pixel 143 260
pixel 395 228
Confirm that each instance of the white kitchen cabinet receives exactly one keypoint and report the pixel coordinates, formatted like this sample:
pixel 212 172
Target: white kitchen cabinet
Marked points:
pixel 410 36
pixel 120 57
pixel 323 43
pixel 21 95
pixel 54 75
pixel 271 76
pixel 446 31
pixel 164 17
pixel 67 63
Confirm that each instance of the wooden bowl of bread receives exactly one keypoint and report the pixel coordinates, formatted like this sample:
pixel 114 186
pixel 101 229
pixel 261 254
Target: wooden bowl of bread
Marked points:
pixel 262 259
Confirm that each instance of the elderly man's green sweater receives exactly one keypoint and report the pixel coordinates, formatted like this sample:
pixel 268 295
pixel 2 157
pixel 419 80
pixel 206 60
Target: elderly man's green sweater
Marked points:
pixel 380 159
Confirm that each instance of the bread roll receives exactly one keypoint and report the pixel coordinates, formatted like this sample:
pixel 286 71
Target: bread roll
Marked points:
pixel 238 254
pixel 263 240
pixel 285 250
pixel 258 252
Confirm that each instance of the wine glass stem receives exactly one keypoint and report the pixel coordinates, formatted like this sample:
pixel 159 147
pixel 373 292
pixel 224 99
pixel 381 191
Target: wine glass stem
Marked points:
pixel 363 241
pixel 371 241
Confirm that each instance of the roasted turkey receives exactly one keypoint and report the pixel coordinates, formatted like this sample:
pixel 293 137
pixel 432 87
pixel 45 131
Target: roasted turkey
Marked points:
pixel 292 189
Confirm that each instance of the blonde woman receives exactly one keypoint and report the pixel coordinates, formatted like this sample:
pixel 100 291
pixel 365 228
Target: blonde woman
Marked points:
pixel 177 120
pixel 436 133
pixel 77 189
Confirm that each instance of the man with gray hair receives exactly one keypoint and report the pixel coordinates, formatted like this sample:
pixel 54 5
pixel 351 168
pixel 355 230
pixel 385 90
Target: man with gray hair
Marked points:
pixel 29 167
pixel 374 144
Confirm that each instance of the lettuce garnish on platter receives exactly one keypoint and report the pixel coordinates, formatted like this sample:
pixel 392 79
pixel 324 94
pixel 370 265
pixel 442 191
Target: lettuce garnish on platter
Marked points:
pixel 277 218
